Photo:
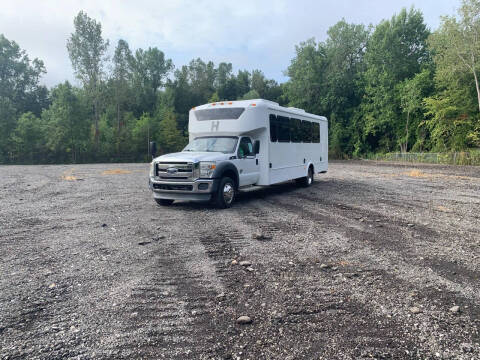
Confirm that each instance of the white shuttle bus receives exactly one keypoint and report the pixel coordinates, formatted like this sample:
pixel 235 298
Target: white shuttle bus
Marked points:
pixel 235 144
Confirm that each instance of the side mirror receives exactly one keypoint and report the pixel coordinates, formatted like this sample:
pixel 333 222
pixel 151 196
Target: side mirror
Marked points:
pixel 256 147
pixel 153 148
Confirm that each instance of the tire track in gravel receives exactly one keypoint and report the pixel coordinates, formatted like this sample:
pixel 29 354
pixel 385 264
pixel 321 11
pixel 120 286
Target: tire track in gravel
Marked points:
pixel 442 292
pixel 389 237
pixel 387 233
pixel 447 297
pixel 319 315
pixel 169 313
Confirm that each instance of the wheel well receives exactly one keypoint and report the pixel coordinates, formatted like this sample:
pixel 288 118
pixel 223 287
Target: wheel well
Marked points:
pixel 231 174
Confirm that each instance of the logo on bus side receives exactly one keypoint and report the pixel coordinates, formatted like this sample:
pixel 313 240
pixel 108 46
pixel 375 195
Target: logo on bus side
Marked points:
pixel 215 125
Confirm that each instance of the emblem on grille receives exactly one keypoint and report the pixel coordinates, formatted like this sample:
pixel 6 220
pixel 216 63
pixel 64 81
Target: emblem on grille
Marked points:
pixel 172 170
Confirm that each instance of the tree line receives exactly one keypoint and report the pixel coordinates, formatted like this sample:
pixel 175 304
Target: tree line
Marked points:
pixel 396 86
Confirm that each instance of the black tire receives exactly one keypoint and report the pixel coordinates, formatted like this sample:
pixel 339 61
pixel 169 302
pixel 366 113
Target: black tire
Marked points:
pixel 164 202
pixel 225 195
pixel 307 180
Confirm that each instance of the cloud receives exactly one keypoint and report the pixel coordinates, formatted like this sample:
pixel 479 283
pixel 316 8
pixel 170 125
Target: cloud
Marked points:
pixel 250 34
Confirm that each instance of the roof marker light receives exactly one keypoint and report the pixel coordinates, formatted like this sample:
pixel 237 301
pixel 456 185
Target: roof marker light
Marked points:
pixel 222 103
pixel 253 104
pixel 230 103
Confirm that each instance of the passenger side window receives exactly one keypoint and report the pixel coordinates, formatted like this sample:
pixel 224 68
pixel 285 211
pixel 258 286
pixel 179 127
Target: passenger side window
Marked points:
pixel 273 128
pixel 245 148
pixel 283 129
pixel 306 131
pixel 295 135
pixel 316 133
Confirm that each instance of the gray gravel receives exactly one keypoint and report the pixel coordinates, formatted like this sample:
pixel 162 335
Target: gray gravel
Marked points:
pixel 92 268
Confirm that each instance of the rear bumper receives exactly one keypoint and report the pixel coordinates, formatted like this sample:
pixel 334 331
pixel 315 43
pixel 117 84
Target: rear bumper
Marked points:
pixel 198 190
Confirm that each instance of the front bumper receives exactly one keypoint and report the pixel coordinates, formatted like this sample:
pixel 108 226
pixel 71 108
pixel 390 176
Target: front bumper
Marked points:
pixel 197 190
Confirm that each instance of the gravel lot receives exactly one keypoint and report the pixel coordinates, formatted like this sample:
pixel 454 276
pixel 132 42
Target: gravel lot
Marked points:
pixel 373 261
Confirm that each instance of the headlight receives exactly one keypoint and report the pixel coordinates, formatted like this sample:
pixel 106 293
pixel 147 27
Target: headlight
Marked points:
pixel 207 168
pixel 151 168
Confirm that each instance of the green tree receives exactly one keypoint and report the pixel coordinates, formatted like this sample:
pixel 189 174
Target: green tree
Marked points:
pixel 8 122
pixel 252 94
pixel 87 51
pixel 243 83
pixel 345 50
pixel 214 97
pixel 150 69
pixel 193 85
pixel 19 77
pixel 201 78
pixel 457 43
pixel 396 51
pixel 451 113
pixel 67 124
pixel 170 138
pixel 225 82
pixel 28 138
pixel 121 78
pixel 142 134
pixel 411 93
pixel 20 91
pixel 267 89
pixel 307 73
pixel 456 49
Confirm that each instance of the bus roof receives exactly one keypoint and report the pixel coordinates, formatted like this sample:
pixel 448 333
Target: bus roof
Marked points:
pixel 260 103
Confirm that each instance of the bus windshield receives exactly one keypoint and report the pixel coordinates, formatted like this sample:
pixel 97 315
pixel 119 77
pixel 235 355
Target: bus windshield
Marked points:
pixel 223 144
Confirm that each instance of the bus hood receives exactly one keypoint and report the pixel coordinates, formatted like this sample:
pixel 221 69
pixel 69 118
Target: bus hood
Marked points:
pixel 187 156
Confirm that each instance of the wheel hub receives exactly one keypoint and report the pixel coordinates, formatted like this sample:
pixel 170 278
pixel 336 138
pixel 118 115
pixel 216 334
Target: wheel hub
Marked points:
pixel 228 193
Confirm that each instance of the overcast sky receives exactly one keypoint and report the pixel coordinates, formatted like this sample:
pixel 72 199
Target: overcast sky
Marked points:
pixel 249 34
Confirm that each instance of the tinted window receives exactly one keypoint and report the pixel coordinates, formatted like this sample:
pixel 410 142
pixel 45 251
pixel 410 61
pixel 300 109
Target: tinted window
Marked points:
pixel 316 132
pixel 245 148
pixel 219 114
pixel 306 130
pixel 295 135
pixel 273 128
pixel 283 129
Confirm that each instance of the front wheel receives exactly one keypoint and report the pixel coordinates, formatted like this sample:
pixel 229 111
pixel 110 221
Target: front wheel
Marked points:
pixel 164 202
pixel 307 180
pixel 225 194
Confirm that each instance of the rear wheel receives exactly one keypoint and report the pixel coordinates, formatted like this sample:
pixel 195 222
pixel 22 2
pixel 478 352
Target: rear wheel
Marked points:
pixel 307 180
pixel 225 194
pixel 164 202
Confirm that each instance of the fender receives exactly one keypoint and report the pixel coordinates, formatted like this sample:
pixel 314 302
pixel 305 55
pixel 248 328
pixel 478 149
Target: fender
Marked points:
pixel 223 167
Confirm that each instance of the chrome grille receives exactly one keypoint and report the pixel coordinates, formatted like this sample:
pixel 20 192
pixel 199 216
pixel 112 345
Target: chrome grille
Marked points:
pixel 174 171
